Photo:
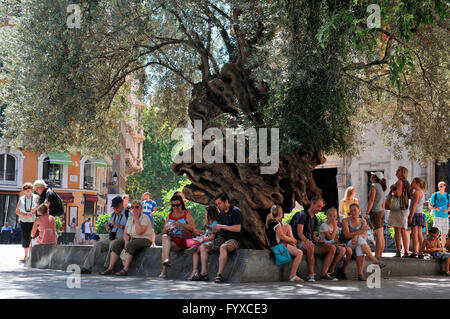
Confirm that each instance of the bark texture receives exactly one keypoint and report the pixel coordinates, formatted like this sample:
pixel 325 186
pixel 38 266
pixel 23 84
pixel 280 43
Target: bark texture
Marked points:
pixel 232 93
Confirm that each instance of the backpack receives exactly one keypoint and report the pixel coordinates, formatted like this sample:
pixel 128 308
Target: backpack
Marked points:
pixel 293 223
pixel 435 198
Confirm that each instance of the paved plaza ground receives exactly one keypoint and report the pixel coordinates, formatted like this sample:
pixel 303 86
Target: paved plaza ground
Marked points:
pixel 18 281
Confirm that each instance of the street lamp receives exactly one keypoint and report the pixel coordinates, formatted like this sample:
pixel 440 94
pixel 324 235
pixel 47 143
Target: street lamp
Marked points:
pixel 115 179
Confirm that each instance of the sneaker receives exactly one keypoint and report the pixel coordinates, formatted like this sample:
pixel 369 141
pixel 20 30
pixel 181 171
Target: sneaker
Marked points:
pixel 191 250
pixel 311 278
pixel 327 277
pixel 335 275
pixel 85 271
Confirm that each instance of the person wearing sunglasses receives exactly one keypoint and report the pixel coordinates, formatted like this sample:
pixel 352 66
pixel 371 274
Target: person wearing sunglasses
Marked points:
pixel 440 204
pixel 178 227
pixel 137 235
pixel 26 210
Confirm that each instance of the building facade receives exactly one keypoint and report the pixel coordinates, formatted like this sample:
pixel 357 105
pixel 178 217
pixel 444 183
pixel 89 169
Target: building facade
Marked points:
pixel 338 173
pixel 82 183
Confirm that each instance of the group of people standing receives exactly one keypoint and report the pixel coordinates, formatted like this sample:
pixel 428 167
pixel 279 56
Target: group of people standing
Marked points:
pixel 34 212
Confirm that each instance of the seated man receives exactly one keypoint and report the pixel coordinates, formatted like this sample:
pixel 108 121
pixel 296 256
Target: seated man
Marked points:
pixel 7 227
pixel 304 226
pixel 228 229
pixel 115 227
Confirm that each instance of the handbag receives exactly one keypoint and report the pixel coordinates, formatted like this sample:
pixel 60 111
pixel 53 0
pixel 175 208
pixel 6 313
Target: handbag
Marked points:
pixel 387 203
pixel 281 253
pixel 395 203
pixel 191 242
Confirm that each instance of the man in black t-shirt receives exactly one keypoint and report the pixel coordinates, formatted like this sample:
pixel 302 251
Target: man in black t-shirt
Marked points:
pixel 305 231
pixel 46 196
pixel 229 230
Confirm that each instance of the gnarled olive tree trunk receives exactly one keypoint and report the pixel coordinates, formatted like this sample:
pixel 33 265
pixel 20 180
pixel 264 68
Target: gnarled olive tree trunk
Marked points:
pixel 232 92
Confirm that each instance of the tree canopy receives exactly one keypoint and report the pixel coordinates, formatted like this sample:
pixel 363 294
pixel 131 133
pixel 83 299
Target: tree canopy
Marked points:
pixel 318 60
pixel 316 69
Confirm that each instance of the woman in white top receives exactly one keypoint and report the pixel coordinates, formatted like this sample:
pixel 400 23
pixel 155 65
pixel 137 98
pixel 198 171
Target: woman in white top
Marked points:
pixel 137 234
pixel 26 210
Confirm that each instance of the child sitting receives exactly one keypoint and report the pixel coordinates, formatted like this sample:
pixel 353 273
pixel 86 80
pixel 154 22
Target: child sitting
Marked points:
pixel 432 245
pixel 328 232
pixel 206 237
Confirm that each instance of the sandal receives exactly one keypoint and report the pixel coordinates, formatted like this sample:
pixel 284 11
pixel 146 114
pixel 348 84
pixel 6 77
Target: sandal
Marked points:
pixel 296 278
pixel 106 272
pixel 381 265
pixel 163 276
pixel 123 272
pixel 219 279
pixel 194 276
pixel 361 278
pixel 167 263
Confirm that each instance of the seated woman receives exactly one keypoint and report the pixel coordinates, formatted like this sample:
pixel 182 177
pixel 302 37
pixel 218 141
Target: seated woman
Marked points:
pixel 278 233
pixel 44 228
pixel 207 237
pixel 328 233
pixel 355 229
pixel 136 235
pixel 174 238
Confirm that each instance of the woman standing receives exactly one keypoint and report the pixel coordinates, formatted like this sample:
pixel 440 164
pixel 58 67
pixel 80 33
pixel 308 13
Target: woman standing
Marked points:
pixel 349 199
pixel 174 238
pixel 398 216
pixel 375 210
pixel 416 218
pixel 355 229
pixel 26 210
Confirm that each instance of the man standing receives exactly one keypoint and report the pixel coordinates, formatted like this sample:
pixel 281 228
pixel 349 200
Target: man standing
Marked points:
pixel 439 203
pixel 86 230
pixel 304 228
pixel 149 207
pixel 47 196
pixel 115 227
pixel 229 232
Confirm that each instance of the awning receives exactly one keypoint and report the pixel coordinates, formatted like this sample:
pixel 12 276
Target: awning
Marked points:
pixel 66 197
pixel 100 162
pixel 60 158
pixel 91 198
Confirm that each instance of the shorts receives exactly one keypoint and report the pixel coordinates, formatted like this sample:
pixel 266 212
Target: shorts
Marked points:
pixel 419 220
pixel 440 256
pixel 230 245
pixel 377 219
pixel 133 245
pixel 357 247
pixel 87 236
pixel 442 224
pixel 398 219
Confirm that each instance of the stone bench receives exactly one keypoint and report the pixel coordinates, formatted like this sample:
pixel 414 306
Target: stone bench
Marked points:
pixel 244 265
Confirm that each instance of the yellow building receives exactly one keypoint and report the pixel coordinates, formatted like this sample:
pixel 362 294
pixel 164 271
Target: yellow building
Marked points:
pixel 81 183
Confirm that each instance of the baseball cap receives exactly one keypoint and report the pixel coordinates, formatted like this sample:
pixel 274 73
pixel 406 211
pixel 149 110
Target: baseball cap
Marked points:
pixel 116 201
pixel 378 174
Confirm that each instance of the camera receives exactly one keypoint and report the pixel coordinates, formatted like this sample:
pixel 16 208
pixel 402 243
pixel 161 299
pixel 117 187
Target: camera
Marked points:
pixel 112 235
